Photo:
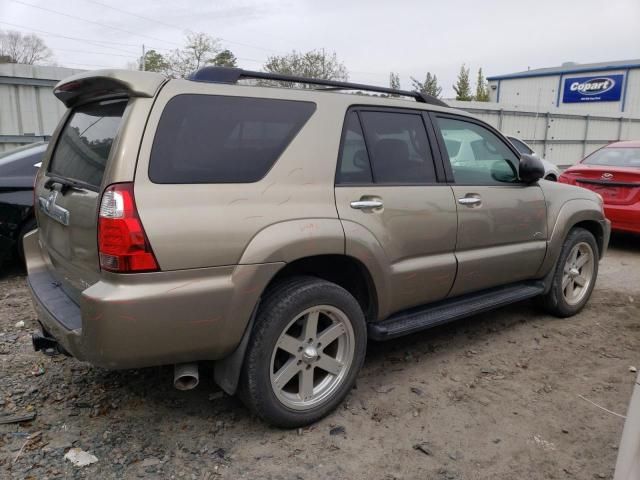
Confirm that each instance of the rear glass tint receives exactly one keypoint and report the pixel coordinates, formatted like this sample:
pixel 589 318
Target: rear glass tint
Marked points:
pixel 399 148
pixel 615 157
pixel 354 164
pixel 218 139
pixel 85 142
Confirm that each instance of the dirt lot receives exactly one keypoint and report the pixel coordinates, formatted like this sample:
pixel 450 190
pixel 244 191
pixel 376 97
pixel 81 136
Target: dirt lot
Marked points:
pixel 498 396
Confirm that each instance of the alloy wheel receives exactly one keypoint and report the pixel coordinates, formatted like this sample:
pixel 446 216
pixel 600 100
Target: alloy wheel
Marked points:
pixel 578 273
pixel 312 357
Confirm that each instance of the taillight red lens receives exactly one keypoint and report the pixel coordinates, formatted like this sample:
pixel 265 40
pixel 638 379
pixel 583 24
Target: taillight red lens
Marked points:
pixel 122 242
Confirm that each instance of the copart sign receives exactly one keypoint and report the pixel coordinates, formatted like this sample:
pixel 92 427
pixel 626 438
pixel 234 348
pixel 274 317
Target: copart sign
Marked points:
pixel 602 88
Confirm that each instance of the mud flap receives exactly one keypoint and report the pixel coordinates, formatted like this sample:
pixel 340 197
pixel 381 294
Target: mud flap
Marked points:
pixel 226 372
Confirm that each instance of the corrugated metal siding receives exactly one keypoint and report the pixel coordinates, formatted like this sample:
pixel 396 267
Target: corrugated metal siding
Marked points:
pixel 28 108
pixel 632 99
pixel 541 93
pixel 559 136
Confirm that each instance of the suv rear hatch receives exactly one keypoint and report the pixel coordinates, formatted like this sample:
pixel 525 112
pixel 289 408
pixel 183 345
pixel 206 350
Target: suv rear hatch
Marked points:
pixel 70 183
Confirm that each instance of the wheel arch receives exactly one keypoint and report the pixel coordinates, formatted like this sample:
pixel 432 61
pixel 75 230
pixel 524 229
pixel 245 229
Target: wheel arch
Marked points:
pixel 574 213
pixel 346 271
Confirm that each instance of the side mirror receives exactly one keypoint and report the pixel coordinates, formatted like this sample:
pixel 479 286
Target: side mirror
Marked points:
pixel 530 169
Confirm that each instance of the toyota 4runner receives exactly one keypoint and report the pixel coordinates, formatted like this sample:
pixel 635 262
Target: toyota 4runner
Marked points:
pixel 274 230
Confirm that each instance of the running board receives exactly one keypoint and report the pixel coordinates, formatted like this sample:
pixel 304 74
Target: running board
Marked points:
pixel 439 313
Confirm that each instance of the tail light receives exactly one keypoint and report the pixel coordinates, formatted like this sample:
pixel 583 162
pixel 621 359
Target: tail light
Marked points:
pixel 122 243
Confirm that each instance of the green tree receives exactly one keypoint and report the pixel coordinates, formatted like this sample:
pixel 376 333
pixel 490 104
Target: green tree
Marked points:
pixel 155 62
pixel 462 87
pixel 482 89
pixel 225 58
pixel 314 64
pixel 394 81
pixel 429 86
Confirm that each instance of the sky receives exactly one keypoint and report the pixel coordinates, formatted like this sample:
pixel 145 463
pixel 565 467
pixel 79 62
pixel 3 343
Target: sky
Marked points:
pixel 372 38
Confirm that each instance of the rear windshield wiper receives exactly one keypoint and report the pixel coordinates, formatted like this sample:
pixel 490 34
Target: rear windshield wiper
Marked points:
pixel 65 184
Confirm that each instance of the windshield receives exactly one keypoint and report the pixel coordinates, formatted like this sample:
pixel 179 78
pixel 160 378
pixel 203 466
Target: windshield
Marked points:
pixel 615 157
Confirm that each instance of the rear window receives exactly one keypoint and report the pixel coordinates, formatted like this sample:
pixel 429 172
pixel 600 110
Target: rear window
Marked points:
pixel 615 157
pixel 85 142
pixel 218 139
pixel 520 146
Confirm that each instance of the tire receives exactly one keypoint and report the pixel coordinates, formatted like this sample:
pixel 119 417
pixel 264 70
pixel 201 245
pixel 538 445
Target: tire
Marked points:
pixel 29 225
pixel 284 380
pixel 551 178
pixel 566 297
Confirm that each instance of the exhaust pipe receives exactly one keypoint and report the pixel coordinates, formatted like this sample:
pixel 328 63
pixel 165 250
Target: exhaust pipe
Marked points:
pixel 185 376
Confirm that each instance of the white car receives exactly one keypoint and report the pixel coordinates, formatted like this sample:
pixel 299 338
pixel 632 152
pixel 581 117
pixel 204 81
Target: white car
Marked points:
pixel 551 171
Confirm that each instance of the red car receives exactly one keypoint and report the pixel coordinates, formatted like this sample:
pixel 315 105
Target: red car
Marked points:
pixel 613 172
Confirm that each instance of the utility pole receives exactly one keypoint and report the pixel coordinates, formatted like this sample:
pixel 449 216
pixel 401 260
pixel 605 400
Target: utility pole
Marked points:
pixel 143 59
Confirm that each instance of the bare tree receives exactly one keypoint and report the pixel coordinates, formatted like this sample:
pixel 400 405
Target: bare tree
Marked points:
pixel 200 50
pixel 18 48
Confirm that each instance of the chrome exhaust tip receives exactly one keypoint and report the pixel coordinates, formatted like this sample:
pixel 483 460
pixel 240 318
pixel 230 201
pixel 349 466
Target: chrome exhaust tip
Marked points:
pixel 185 376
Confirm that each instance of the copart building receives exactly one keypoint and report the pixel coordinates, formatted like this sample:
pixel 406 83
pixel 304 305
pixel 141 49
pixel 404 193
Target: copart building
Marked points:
pixel 565 112
pixel 594 88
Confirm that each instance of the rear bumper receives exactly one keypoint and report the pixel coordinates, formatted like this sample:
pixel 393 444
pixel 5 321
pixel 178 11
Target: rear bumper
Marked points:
pixel 624 217
pixel 139 320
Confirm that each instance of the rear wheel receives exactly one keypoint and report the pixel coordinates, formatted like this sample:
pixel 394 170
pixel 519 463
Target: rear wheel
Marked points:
pixel 551 178
pixel 306 349
pixel 575 274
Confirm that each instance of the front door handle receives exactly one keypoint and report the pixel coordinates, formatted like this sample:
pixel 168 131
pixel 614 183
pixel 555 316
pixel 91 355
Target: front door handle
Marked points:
pixel 366 204
pixel 470 201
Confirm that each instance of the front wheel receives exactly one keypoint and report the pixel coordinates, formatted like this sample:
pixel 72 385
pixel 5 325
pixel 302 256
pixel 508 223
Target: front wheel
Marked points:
pixel 305 351
pixel 575 275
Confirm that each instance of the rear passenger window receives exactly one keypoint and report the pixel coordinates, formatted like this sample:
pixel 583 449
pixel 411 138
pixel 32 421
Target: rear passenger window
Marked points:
pixel 354 164
pixel 398 147
pixel 217 139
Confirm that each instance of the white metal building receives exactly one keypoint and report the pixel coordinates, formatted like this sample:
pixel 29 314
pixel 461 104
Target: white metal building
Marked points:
pixel 28 109
pixel 594 88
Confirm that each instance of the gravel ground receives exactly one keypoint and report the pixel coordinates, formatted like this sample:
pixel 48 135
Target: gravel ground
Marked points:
pixel 502 395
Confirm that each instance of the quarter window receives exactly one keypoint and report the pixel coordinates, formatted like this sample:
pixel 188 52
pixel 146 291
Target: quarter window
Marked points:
pixel 218 139
pixel 477 155
pixel 354 166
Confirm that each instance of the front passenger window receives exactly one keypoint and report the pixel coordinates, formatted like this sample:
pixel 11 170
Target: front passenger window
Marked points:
pixel 477 155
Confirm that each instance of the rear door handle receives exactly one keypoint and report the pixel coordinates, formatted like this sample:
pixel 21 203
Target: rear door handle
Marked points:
pixel 470 201
pixel 366 204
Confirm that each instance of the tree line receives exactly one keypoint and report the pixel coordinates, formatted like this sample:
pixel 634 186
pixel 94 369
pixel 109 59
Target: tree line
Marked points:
pixel 201 50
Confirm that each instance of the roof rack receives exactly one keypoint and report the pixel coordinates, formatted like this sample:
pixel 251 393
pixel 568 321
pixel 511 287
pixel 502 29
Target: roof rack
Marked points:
pixel 232 75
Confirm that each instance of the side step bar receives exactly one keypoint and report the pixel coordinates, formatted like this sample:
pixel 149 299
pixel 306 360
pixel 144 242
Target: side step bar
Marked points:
pixel 439 313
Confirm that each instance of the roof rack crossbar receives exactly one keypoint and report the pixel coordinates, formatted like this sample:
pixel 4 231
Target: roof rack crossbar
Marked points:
pixel 232 75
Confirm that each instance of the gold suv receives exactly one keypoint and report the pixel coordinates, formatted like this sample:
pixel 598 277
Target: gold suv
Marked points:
pixel 274 230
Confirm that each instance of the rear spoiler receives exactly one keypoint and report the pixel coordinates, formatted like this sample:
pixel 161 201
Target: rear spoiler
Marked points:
pixel 108 83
